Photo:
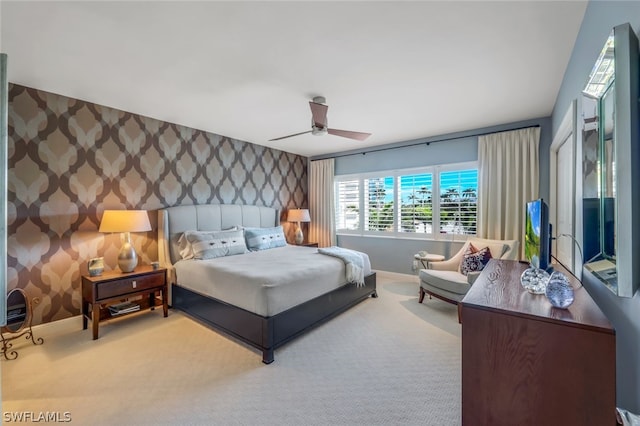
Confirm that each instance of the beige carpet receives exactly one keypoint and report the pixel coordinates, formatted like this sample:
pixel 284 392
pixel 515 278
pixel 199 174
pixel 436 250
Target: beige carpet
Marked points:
pixel 387 361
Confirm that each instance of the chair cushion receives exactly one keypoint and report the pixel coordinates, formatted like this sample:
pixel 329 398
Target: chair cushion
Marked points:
pixel 474 259
pixel 452 281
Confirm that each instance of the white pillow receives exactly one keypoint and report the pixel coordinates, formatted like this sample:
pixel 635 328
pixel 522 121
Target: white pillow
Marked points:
pixel 211 244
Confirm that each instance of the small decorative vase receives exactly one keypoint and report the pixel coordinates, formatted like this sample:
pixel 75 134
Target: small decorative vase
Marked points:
pixel 559 290
pixel 534 280
pixel 96 266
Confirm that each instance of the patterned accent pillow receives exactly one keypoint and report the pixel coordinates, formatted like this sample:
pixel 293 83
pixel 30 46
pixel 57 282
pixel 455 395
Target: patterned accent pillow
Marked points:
pixel 211 244
pixel 474 259
pixel 264 238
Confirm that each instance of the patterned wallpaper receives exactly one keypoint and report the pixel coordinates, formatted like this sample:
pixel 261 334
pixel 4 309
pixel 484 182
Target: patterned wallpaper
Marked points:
pixel 70 160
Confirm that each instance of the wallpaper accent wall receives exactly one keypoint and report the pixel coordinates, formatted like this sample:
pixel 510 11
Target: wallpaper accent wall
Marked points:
pixel 70 160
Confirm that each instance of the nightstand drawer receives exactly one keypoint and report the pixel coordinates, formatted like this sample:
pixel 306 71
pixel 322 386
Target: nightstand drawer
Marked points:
pixel 108 289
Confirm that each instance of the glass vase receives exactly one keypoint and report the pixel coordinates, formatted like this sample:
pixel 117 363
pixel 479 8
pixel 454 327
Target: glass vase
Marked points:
pixel 559 290
pixel 534 280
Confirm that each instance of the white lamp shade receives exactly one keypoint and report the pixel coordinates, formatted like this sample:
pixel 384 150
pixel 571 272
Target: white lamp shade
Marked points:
pixel 125 221
pixel 298 215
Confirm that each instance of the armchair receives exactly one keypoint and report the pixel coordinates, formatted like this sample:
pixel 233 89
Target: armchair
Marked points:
pixel 444 279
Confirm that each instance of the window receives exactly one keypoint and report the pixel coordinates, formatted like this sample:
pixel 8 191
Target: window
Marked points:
pixel 458 202
pixel 432 202
pixel 378 211
pixel 347 204
pixel 416 212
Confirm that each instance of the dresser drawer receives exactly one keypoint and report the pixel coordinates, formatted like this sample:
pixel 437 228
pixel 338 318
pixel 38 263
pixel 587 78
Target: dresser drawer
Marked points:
pixel 108 289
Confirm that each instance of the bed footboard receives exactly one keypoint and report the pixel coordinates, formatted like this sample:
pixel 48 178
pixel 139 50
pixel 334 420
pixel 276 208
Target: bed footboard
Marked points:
pixel 268 333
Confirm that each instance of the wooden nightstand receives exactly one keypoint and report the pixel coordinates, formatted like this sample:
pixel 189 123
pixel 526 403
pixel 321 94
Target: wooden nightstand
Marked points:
pixel 113 287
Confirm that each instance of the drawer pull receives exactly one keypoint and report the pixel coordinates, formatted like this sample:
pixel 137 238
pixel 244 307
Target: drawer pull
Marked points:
pixel 134 283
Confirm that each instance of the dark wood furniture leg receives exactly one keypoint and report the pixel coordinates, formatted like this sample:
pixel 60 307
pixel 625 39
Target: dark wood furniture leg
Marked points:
pixel 95 319
pixel 267 356
pixel 85 313
pixel 165 302
pixel 152 303
pixel 421 295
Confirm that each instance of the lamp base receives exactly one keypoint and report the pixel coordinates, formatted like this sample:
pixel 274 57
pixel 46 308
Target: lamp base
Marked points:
pixel 127 258
pixel 299 235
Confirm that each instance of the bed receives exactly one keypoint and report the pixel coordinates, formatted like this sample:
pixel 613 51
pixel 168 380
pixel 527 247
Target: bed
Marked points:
pixel 239 295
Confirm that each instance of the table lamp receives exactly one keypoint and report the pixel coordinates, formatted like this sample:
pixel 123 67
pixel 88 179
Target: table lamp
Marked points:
pixel 125 221
pixel 299 215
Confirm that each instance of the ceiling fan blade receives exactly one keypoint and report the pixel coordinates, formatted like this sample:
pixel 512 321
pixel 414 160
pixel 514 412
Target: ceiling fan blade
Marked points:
pixel 290 136
pixel 349 134
pixel 319 112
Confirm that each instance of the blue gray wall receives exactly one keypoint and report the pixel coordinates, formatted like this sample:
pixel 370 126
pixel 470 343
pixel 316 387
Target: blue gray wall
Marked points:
pixel 396 255
pixel 624 313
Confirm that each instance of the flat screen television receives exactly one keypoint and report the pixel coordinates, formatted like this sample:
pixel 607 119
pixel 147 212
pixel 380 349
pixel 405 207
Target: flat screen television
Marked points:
pixel 537 236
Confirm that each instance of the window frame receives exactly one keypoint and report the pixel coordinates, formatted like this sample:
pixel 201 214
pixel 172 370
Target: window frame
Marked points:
pixel 434 170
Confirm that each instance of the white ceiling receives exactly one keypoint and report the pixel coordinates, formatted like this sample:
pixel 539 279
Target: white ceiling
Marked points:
pixel 398 70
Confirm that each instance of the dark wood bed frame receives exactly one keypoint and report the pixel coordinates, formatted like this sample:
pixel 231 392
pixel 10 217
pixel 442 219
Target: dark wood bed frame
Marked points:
pixel 268 333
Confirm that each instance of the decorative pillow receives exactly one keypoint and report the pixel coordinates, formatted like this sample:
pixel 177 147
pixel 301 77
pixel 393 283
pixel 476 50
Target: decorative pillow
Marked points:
pixel 184 246
pixel 235 241
pixel 264 238
pixel 474 259
pixel 211 244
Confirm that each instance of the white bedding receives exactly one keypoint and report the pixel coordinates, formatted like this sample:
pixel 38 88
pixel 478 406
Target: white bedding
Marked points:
pixel 266 282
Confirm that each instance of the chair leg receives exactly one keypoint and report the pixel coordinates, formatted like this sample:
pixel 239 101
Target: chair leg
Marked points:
pixel 421 295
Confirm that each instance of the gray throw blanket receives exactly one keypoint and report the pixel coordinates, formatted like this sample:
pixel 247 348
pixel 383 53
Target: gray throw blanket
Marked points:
pixel 353 262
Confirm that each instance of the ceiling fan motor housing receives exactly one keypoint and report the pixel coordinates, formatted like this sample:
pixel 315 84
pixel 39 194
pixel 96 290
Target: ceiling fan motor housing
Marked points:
pixel 318 131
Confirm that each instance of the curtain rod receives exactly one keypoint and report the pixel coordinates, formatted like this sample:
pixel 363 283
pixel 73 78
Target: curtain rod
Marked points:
pixel 427 143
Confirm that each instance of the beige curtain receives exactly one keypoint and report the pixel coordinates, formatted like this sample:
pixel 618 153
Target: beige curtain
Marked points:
pixel 508 166
pixel 322 228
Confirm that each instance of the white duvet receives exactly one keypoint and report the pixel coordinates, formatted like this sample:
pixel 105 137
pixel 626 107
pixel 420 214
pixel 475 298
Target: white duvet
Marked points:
pixel 266 282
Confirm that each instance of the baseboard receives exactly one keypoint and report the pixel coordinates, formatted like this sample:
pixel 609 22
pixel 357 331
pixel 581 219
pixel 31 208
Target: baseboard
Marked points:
pixel 71 323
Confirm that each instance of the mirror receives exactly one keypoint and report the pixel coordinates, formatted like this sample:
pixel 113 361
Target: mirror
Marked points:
pixel 18 322
pixel 18 312
pixel 4 115
pixel 611 162
pixel 607 174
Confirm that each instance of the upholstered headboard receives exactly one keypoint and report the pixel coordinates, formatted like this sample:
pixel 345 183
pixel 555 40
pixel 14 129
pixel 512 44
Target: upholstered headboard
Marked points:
pixel 173 221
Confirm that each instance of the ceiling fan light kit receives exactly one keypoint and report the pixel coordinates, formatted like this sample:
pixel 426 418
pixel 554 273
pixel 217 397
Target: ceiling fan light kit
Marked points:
pixel 319 131
pixel 319 124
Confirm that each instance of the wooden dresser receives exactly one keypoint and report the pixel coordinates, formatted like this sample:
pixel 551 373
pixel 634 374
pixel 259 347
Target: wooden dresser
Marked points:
pixel 527 363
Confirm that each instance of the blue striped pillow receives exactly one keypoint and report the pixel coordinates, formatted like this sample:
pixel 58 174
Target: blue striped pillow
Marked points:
pixel 264 238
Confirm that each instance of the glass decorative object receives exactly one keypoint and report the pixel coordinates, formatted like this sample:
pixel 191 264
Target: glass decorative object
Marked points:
pixel 559 290
pixel 534 280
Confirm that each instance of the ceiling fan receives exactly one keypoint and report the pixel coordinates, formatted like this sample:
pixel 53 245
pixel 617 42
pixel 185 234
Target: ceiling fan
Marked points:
pixel 319 123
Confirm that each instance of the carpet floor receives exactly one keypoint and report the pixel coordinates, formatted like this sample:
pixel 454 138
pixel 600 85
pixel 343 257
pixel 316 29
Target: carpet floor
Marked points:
pixel 386 361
